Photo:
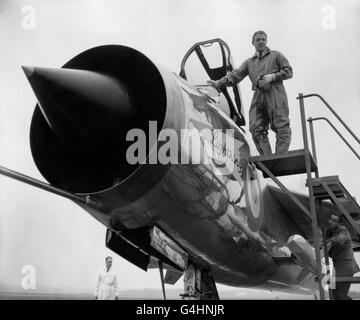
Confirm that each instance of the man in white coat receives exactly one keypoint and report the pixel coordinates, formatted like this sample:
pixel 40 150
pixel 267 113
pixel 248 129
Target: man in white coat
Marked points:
pixel 107 287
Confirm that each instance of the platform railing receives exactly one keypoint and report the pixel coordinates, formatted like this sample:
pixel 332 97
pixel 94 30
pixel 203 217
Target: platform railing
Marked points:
pixel 311 120
pixel 332 111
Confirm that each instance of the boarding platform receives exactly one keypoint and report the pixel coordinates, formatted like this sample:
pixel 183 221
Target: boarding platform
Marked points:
pixel 292 162
pixel 327 188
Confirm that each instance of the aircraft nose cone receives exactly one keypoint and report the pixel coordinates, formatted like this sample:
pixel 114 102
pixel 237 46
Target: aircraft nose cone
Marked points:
pixel 81 107
pixel 28 71
pixel 85 110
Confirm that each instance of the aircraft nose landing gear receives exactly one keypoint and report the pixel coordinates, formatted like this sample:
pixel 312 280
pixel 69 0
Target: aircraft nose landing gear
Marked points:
pixel 199 284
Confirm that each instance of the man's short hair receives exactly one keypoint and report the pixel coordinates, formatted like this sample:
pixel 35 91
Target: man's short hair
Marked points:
pixel 108 257
pixel 256 33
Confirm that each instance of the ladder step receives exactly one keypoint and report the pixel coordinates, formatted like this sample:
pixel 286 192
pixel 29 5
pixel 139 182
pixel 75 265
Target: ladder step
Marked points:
pixel 356 217
pixel 331 181
pixel 350 207
pixel 327 179
pixel 292 162
pixel 334 185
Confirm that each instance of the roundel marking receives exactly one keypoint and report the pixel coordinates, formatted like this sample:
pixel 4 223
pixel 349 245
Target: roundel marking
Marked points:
pixel 253 198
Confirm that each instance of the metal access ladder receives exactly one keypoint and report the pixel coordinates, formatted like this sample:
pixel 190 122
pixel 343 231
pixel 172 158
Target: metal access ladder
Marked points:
pixel 320 188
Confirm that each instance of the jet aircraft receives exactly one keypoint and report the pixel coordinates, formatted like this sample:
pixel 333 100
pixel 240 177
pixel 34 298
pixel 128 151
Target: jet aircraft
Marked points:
pixel 206 213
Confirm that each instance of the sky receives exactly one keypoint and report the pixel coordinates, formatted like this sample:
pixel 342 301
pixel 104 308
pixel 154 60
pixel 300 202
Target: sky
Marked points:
pixel 64 244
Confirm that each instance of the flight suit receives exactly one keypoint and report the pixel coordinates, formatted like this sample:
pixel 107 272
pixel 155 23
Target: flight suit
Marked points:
pixel 343 258
pixel 269 104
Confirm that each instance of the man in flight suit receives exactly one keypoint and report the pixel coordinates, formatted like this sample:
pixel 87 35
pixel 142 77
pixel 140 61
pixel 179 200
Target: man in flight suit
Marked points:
pixel 266 69
pixel 340 250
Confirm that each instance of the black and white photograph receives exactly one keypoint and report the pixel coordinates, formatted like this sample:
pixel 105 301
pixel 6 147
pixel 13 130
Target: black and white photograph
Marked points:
pixel 179 150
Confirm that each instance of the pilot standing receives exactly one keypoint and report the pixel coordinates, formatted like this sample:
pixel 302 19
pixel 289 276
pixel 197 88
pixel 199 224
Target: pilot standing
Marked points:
pixel 266 69
pixel 107 287
pixel 340 250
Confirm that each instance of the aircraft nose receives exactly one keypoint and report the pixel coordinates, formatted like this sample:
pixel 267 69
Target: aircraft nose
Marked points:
pixel 28 70
pixel 86 109
pixel 80 106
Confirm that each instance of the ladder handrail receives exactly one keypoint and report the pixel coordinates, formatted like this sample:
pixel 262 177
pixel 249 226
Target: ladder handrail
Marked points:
pixel 310 120
pixel 333 112
pixel 314 223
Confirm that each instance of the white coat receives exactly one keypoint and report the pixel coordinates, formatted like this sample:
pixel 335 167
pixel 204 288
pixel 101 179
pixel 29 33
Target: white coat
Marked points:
pixel 107 287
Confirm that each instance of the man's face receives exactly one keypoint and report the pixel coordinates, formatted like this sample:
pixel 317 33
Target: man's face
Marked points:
pixel 260 42
pixel 333 222
pixel 108 263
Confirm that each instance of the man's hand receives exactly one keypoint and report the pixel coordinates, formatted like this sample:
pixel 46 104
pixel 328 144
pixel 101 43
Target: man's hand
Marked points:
pixel 268 78
pixel 264 81
pixel 213 83
pixel 262 84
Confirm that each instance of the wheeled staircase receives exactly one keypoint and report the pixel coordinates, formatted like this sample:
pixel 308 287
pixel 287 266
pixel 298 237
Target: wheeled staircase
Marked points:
pixel 328 188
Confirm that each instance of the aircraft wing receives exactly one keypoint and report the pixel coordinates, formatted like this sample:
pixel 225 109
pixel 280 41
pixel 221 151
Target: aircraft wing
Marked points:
pixel 298 217
pixel 302 221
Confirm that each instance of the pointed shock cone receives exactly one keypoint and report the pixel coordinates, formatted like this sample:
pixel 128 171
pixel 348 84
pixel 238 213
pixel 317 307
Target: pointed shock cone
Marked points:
pixel 81 107
pixel 79 129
